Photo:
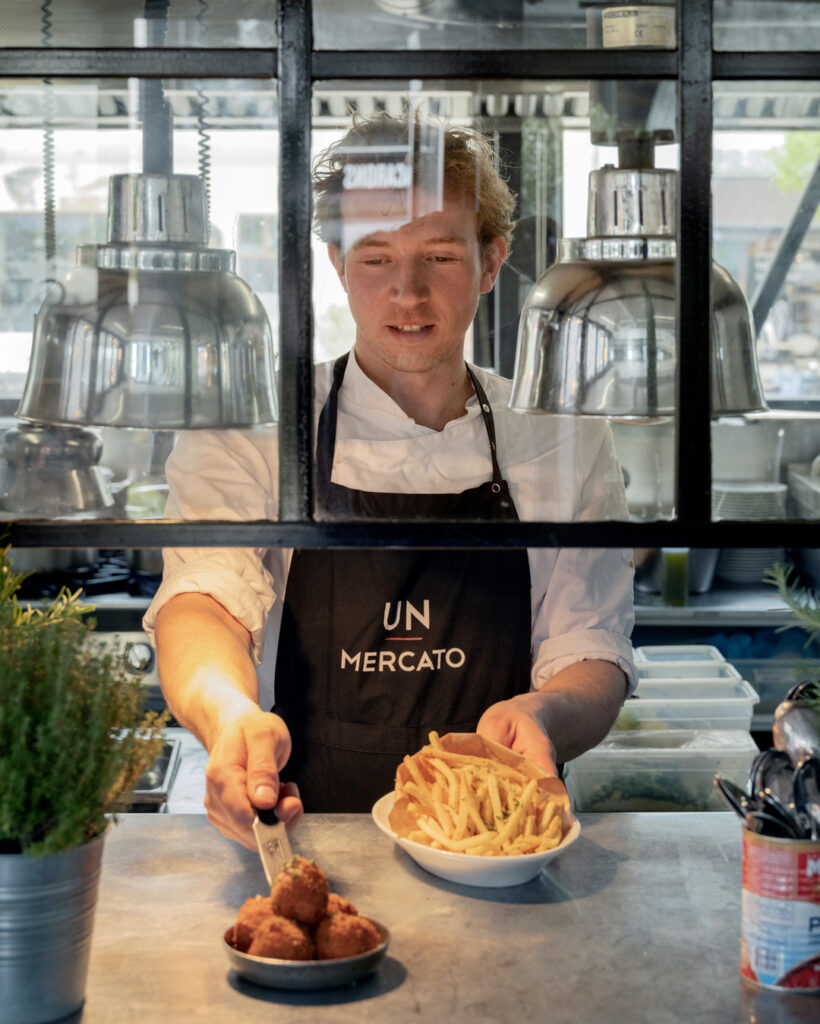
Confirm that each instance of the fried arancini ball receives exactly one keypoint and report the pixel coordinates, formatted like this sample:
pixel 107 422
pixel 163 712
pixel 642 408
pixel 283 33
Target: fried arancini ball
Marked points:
pixel 344 935
pixel 300 891
pixel 337 904
pixel 252 913
pixel 278 937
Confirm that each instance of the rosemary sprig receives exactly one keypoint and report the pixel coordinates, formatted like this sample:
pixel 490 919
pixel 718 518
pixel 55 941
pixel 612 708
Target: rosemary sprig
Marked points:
pixel 805 603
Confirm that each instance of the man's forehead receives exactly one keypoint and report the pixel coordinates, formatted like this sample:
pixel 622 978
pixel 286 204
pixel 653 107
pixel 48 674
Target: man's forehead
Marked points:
pixel 369 212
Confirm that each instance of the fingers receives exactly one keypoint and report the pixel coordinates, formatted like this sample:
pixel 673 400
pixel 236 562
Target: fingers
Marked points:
pixel 510 723
pixel 243 773
pixel 289 808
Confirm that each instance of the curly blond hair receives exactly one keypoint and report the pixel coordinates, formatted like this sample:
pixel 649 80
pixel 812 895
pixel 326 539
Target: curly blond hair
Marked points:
pixel 470 167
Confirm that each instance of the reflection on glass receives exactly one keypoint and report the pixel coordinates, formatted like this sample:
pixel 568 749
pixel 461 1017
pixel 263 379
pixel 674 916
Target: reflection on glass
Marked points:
pixel 493 24
pixel 378 191
pixel 231 153
pixel 765 189
pixel 187 24
pixel 761 25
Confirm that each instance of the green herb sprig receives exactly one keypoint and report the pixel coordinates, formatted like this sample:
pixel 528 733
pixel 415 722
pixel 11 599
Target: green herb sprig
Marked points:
pixel 805 603
pixel 73 733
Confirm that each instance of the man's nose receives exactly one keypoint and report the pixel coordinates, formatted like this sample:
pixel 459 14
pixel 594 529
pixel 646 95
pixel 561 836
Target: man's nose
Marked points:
pixel 409 281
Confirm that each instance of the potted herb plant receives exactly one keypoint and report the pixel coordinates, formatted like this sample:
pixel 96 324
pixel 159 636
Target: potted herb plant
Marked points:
pixel 73 740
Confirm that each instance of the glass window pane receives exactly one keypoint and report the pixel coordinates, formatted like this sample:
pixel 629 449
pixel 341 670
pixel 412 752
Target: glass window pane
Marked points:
pixel 180 23
pixel 548 138
pixel 492 24
pixel 138 233
pixel 765 189
pixel 766 230
pixel 765 26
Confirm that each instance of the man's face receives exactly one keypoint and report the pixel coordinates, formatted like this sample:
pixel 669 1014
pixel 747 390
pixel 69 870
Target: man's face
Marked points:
pixel 413 287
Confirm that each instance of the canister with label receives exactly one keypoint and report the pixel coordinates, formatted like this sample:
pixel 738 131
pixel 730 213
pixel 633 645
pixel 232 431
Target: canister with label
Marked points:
pixel 780 913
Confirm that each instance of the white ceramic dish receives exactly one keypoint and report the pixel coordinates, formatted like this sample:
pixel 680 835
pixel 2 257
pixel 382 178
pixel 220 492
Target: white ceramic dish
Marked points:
pixel 467 868
pixel 305 975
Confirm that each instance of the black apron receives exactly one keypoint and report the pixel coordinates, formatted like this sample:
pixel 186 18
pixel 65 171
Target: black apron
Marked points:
pixel 379 646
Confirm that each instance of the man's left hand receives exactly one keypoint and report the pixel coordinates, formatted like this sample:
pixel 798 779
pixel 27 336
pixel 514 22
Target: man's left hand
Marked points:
pixel 518 724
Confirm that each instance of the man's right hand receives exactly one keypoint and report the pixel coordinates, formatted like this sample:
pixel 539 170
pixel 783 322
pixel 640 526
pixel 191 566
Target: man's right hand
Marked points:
pixel 243 773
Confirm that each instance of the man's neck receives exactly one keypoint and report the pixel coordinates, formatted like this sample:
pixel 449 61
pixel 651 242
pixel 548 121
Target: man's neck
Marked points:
pixel 432 399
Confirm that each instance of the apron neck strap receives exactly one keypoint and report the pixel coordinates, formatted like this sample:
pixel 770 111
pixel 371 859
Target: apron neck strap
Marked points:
pixel 326 434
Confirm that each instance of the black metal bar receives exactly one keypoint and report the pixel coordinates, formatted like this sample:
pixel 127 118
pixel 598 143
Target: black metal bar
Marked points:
pixel 485 64
pixel 295 309
pixel 157 120
pixel 165 62
pixel 693 270
pixel 759 65
pixel 797 533
pixel 221 62
pixel 790 241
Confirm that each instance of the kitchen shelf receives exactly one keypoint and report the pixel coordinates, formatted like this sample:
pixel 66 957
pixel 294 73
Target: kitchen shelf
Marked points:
pixel 722 606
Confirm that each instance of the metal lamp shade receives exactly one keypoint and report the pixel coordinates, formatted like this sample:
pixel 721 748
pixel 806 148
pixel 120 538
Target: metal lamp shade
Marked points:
pixel 597 334
pixel 50 471
pixel 597 337
pixel 152 329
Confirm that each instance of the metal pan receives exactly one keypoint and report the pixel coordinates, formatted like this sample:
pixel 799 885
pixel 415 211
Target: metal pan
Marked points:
pixel 307 974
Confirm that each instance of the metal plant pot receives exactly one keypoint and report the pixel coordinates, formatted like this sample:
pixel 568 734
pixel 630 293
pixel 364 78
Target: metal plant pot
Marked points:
pixel 46 919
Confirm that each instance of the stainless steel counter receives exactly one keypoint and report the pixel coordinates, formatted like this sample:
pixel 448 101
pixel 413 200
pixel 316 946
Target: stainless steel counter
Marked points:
pixel 637 922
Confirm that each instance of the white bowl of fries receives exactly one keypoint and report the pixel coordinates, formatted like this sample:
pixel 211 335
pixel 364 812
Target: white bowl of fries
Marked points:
pixel 471 811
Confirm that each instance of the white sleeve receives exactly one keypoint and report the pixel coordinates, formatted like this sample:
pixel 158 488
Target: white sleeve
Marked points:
pixel 228 475
pixel 583 597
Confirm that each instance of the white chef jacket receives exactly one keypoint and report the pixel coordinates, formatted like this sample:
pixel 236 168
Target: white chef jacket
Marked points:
pixel 559 469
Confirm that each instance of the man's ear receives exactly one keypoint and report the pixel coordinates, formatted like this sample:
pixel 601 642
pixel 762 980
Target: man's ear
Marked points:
pixel 336 258
pixel 493 256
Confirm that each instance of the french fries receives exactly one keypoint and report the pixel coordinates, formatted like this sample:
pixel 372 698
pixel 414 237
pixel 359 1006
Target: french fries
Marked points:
pixel 468 803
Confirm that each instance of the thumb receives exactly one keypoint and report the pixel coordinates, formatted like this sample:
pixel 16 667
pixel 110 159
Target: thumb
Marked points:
pixel 263 779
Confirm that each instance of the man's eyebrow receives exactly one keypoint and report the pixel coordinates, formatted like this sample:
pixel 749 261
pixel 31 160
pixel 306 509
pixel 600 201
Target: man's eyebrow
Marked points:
pixel 375 243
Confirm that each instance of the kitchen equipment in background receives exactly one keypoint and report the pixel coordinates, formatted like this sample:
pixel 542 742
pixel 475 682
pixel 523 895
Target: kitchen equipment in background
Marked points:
pixel 804 490
pixel 147 494
pixel 50 471
pixel 678 653
pixel 153 328
pixel 597 332
pixel 688 704
pixel 687 671
pixel 649 570
pixel 151 790
pixel 747 565
pixel 646 452
pixel 51 560
pixel 664 770
pixel 752 499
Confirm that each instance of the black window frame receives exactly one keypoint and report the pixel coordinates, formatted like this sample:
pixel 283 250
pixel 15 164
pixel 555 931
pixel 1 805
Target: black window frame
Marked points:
pixel 694 65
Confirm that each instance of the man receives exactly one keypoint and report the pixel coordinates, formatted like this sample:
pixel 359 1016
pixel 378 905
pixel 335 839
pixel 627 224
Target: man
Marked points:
pixel 367 650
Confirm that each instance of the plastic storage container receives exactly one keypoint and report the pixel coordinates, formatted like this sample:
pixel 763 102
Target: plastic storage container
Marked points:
pixel 686 670
pixel 689 704
pixel 772 678
pixel 678 652
pixel 659 771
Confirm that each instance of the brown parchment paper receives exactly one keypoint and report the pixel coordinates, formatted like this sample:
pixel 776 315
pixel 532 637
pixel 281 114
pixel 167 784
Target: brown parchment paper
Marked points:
pixel 403 821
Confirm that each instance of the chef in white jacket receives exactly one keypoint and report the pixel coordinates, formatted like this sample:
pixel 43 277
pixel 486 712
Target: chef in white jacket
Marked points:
pixel 308 674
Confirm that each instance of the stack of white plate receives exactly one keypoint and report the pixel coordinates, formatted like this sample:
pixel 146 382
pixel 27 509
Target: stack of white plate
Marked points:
pixel 747 565
pixel 748 499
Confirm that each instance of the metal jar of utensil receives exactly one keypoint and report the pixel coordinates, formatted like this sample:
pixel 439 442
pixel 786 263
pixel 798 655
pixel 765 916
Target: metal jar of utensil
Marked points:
pixel 47 909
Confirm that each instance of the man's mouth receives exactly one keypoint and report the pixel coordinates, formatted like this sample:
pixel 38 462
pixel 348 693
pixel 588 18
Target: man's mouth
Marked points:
pixel 411 328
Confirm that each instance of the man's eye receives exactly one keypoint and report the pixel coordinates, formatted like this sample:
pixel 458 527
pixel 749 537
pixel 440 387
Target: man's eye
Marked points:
pixel 374 261
pixel 444 259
